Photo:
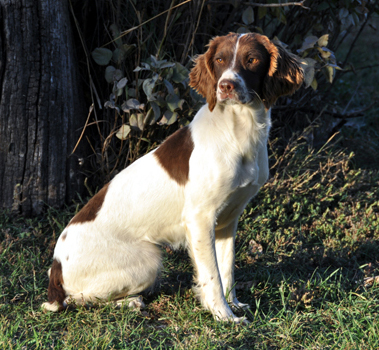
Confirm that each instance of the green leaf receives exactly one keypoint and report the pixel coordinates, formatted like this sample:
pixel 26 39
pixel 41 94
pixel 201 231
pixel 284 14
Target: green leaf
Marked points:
pixel 132 103
pixel 136 121
pixel 343 13
pixel 168 118
pixel 174 102
pixel 262 11
pixel 121 84
pixel 140 118
pixel 112 74
pixel 133 121
pixel 323 40
pixel 243 30
pixel 166 65
pixel 323 6
pixel 308 43
pixel 169 86
pixel 248 16
pixel 109 74
pixel 112 105
pixel 308 65
pixel 154 61
pixel 116 34
pixel 149 119
pixel 180 73
pixel 145 67
pixel 149 84
pixel 157 112
pixel 330 73
pixel 102 56
pixel 123 132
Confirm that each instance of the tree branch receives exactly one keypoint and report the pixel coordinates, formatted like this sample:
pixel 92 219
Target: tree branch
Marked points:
pixel 301 4
pixel 337 115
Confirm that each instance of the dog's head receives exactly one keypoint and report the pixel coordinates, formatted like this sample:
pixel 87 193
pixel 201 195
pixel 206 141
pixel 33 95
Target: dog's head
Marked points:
pixel 239 68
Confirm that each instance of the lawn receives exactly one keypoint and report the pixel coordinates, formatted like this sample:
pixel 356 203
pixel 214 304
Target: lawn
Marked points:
pixel 307 257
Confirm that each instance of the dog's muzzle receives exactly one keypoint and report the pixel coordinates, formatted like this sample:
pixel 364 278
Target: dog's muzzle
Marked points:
pixel 230 91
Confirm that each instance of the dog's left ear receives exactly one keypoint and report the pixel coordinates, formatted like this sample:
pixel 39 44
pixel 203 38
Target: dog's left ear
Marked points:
pixel 284 76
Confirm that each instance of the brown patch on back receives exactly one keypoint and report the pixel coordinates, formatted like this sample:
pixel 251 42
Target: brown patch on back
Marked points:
pixel 90 210
pixel 55 292
pixel 64 236
pixel 174 154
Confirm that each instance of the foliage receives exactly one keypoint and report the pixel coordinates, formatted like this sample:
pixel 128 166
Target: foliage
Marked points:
pixel 145 55
pixel 307 262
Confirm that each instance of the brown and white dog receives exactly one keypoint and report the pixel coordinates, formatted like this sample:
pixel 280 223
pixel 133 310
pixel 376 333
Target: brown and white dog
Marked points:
pixel 190 191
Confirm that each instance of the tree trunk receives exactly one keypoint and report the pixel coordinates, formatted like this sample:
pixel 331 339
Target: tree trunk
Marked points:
pixel 41 109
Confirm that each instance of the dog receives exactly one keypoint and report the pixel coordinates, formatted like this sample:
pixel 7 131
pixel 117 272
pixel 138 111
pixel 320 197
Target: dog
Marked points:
pixel 189 192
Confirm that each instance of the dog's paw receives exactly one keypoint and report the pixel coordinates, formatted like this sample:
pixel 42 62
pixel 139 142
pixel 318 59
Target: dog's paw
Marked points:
pixel 53 307
pixel 241 320
pixel 134 302
pixel 233 319
pixel 236 305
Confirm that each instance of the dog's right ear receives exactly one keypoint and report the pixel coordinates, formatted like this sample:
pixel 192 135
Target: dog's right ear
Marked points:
pixel 202 76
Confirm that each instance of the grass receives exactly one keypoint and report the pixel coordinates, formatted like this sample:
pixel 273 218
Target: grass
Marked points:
pixel 304 248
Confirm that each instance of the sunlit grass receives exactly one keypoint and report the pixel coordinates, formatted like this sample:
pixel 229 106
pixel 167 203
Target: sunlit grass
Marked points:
pixel 304 247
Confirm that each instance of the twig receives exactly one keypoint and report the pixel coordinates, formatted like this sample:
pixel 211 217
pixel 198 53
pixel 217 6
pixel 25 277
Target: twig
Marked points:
pixel 355 40
pixel 349 115
pixel 365 67
pixel 194 31
pixel 149 20
pixel 165 30
pixel 92 85
pixel 301 4
pixel 351 99
pixel 353 114
pixel 84 128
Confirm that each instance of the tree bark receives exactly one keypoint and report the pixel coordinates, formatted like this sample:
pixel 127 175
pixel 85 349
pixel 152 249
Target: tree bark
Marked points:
pixel 41 109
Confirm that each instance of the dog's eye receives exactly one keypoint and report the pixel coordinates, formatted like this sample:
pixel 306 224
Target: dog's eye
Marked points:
pixel 252 60
pixel 219 60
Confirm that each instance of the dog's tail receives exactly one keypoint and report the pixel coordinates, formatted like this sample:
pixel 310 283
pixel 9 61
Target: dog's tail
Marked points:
pixel 55 291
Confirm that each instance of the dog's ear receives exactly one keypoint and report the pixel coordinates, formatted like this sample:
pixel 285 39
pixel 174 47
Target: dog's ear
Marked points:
pixel 202 76
pixel 284 76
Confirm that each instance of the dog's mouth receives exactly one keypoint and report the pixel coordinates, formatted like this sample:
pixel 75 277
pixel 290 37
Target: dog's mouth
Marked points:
pixel 228 96
pixel 232 97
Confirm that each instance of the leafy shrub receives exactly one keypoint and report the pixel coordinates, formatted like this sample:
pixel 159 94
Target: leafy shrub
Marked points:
pixel 145 90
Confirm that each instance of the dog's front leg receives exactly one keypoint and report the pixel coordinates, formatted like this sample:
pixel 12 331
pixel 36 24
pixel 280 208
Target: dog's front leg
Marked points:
pixel 201 241
pixel 225 249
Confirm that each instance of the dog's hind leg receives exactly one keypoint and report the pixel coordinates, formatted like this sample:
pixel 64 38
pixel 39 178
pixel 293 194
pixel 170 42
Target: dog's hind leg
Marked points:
pixel 125 268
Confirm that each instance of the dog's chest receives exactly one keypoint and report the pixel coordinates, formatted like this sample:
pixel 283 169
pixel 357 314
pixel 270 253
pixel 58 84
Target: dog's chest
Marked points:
pixel 247 172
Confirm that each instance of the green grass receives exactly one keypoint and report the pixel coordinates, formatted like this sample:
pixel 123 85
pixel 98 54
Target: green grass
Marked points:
pixel 304 247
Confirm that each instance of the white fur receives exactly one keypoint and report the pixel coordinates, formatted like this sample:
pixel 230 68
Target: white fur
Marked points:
pixel 117 255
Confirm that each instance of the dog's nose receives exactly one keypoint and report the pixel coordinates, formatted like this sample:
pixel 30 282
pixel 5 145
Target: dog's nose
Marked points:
pixel 226 86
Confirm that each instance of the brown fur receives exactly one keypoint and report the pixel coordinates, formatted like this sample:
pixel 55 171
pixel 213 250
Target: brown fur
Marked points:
pixel 285 74
pixel 55 292
pixel 174 155
pixel 90 210
pixel 202 75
